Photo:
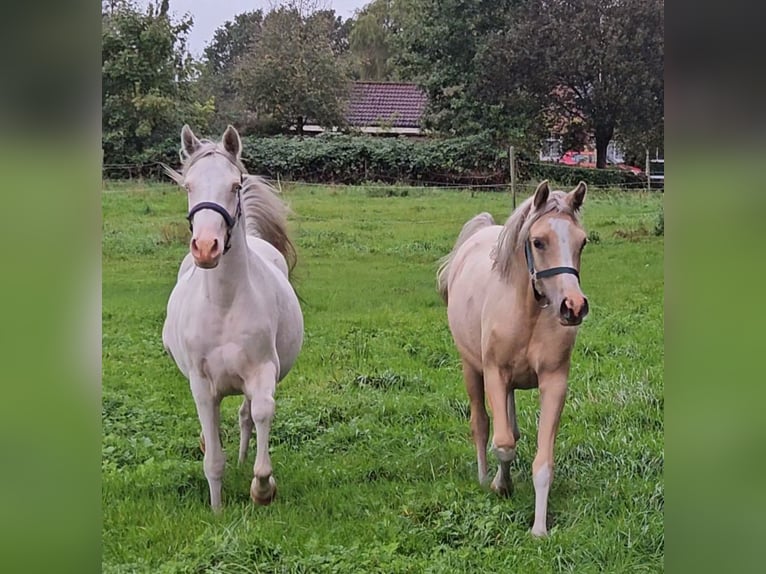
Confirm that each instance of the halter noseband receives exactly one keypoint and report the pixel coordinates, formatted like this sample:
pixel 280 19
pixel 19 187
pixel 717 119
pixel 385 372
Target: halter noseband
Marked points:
pixel 218 208
pixel 535 275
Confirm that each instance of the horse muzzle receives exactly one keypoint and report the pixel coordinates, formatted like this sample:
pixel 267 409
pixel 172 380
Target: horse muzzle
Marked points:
pixel 572 312
pixel 206 252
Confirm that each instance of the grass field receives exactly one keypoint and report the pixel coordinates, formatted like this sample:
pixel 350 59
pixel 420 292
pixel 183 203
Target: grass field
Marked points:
pixel 371 443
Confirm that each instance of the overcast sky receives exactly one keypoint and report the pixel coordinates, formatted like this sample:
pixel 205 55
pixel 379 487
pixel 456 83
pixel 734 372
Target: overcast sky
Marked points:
pixel 210 14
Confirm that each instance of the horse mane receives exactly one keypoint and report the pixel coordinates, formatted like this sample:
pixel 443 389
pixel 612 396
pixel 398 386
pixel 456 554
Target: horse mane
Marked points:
pixel 515 232
pixel 265 213
pixel 266 216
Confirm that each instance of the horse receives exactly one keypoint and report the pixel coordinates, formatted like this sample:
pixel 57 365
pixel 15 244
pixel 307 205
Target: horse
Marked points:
pixel 514 305
pixel 234 324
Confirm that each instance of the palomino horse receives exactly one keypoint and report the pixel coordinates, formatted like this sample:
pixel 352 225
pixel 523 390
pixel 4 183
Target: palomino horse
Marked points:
pixel 513 304
pixel 234 323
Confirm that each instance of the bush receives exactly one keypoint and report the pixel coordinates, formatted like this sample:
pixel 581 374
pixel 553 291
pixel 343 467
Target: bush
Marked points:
pixel 355 159
pixel 349 159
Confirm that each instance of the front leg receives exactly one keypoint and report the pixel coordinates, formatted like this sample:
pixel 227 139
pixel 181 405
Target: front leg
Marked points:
pixel 503 439
pixel 208 411
pixel 553 390
pixel 260 391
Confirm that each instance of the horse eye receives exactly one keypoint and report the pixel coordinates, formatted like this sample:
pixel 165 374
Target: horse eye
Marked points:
pixel 236 187
pixel 537 243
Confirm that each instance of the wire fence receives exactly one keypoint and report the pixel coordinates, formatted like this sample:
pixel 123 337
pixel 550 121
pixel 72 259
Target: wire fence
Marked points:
pixel 154 171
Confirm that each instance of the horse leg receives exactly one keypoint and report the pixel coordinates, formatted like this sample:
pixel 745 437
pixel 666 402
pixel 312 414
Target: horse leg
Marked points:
pixel 263 488
pixel 503 439
pixel 208 411
pixel 245 429
pixel 552 395
pixel 474 384
pixel 511 406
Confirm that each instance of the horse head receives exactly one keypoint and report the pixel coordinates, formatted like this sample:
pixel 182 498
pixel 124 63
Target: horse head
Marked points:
pixel 212 176
pixel 553 248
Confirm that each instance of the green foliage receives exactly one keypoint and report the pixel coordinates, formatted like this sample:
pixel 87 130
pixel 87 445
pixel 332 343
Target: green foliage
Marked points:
pixel 371 445
pixel 522 69
pixel 599 62
pixel 442 46
pixel 292 73
pixel 353 159
pixel 372 40
pixel 229 44
pixel 335 158
pixel 146 77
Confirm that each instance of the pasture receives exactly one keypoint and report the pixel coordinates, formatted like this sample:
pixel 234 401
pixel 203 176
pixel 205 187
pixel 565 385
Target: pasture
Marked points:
pixel 371 443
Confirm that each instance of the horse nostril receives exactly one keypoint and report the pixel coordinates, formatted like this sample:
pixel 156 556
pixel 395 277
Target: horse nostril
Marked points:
pixel 565 311
pixel 194 247
pixel 584 310
pixel 214 247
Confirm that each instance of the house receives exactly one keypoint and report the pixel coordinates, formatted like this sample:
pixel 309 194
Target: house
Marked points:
pixel 383 108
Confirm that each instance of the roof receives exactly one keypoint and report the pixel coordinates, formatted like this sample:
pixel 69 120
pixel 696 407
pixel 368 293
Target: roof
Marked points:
pixel 399 105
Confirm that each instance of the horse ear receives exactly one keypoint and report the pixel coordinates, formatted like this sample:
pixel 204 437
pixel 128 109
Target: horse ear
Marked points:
pixel 577 195
pixel 189 142
pixel 541 194
pixel 231 141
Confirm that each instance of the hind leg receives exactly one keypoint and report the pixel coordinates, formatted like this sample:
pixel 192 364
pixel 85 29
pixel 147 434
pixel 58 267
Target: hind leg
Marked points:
pixel 511 406
pixel 503 436
pixel 246 426
pixel 474 384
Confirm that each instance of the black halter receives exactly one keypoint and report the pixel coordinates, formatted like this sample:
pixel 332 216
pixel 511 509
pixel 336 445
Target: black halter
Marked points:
pixel 218 208
pixel 221 210
pixel 535 275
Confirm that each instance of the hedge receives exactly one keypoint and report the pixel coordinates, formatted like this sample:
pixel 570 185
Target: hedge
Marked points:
pixel 334 158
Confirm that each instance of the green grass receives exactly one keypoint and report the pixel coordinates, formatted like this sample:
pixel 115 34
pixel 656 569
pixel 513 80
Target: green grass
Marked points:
pixel 371 443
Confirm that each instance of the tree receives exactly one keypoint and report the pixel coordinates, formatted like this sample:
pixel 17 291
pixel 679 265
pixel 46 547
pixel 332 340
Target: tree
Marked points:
pixel 146 73
pixel 441 44
pixel 517 68
pixel 292 73
pixel 371 41
pixel 221 57
pixel 232 40
pixel 600 61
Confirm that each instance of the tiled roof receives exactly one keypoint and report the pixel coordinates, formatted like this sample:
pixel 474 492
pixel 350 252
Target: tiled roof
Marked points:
pixel 396 104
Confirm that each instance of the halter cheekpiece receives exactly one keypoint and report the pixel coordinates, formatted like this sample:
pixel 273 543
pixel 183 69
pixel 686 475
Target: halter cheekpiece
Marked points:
pixel 535 275
pixel 220 209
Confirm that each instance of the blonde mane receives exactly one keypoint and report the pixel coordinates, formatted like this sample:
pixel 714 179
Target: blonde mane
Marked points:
pixel 515 232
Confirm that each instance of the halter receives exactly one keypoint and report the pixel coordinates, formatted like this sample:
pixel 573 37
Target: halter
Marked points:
pixel 217 207
pixel 535 275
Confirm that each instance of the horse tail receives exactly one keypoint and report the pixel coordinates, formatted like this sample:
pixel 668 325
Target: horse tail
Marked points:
pixel 266 216
pixel 472 226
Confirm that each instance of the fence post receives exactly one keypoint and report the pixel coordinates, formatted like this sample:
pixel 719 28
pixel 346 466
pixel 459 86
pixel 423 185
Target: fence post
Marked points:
pixel 648 172
pixel 512 167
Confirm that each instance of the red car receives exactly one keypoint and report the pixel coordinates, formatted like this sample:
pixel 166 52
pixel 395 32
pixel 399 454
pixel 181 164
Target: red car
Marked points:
pixel 587 159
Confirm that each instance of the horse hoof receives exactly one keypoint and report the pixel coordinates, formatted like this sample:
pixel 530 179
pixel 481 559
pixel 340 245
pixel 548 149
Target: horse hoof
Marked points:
pixel 539 532
pixel 261 495
pixel 501 489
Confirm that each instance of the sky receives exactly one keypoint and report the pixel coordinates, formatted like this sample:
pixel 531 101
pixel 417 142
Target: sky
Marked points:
pixel 209 15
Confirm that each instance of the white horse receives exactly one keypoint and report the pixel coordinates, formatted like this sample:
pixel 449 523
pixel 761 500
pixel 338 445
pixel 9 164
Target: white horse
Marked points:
pixel 234 323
